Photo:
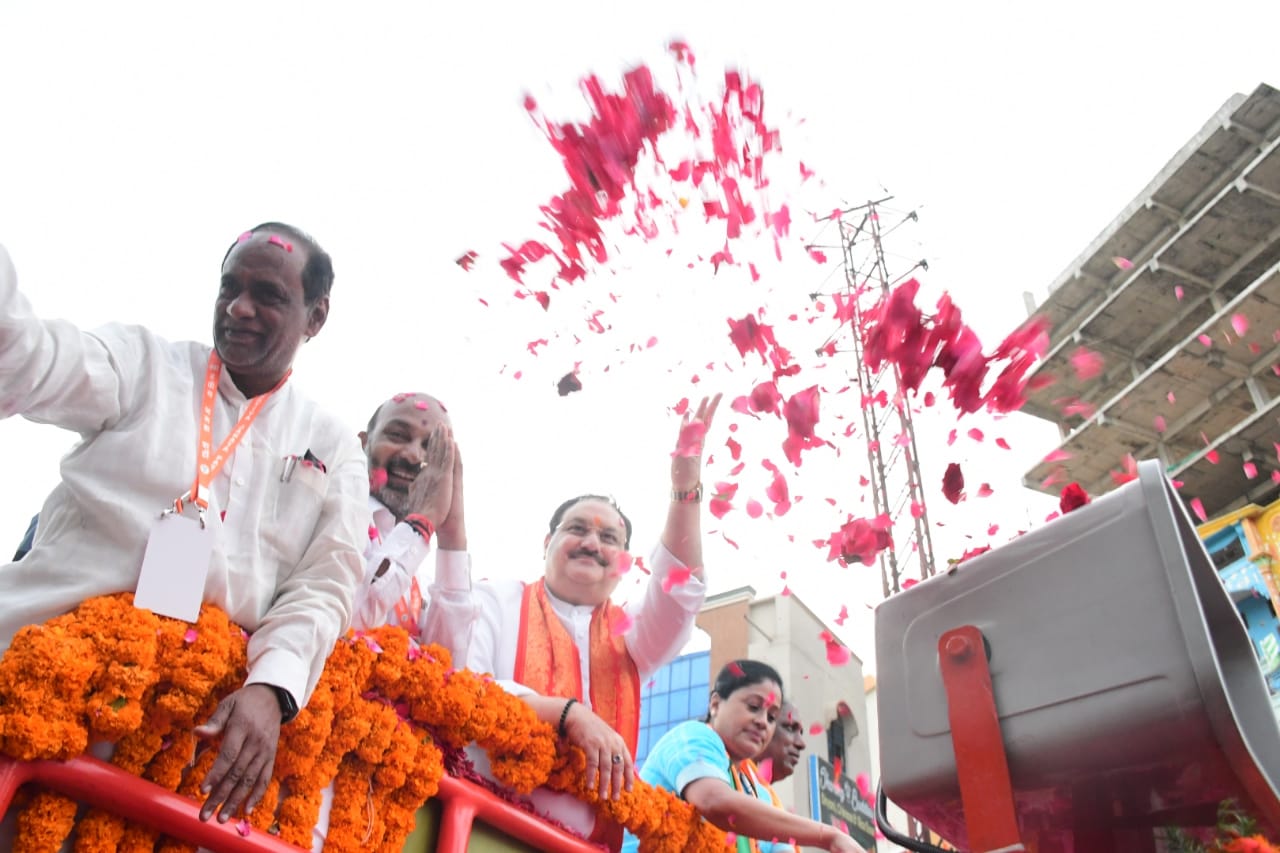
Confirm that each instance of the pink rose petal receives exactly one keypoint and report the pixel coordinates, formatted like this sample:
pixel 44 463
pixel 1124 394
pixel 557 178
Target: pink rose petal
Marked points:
pixel 1198 508
pixel 622 624
pixel 678 576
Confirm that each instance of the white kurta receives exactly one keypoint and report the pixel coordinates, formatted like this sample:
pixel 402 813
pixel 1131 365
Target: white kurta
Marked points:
pixel 287 558
pixel 405 553
pixel 480 626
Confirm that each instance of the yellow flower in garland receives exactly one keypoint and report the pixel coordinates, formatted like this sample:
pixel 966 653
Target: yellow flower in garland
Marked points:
pixel 112 672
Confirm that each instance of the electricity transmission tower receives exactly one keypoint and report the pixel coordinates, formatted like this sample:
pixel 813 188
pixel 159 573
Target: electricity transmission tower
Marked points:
pixel 890 438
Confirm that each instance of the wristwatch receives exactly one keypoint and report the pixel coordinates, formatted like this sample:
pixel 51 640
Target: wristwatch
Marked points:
pixel 288 705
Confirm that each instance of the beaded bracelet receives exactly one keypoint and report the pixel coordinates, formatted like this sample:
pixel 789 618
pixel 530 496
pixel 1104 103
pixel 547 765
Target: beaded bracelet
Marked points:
pixel 564 715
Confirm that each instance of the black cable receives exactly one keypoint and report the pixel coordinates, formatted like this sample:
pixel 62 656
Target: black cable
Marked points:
pixel 882 822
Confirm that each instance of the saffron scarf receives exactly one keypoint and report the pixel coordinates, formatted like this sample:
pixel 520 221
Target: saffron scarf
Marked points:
pixel 547 661
pixel 746 779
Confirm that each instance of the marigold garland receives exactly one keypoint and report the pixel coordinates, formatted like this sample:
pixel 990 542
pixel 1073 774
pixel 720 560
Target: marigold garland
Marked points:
pixel 111 672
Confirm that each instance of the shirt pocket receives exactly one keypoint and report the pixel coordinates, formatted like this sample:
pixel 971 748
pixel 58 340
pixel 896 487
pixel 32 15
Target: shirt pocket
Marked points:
pixel 292 521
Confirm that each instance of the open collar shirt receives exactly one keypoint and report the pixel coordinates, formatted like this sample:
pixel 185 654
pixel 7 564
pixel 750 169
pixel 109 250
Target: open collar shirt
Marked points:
pixel 286 561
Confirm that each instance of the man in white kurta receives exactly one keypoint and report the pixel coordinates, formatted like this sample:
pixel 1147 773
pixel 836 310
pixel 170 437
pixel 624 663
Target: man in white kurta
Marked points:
pixel 415 482
pixel 288 507
pixel 486 627
pixel 486 621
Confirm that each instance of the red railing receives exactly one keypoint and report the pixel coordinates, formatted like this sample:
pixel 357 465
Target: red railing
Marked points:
pixel 97 783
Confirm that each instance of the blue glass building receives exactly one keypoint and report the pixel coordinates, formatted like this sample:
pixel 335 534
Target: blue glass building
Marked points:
pixel 676 693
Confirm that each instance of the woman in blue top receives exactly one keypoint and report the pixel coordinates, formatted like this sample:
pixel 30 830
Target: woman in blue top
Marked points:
pixel 698 761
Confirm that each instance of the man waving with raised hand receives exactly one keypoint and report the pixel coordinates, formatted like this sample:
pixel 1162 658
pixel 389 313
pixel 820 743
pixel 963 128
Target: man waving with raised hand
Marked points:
pixel 201 474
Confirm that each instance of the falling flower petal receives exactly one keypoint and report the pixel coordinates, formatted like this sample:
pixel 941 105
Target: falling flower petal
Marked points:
pixel 243 827
pixel 377 479
pixel 816 729
pixel 953 483
pixel 622 623
pixel 1122 263
pixel 859 540
pixel 1002 444
pixel 467 261
pixel 837 652
pixel 1057 456
pixel 1178 292
pixel 1086 363
pixel 678 576
pixel 801 412
pixel 1128 473
pixel 1212 456
pixel 1198 508
pixel 190 636
pixel 985 490
pixel 1159 423
pixel 1250 470
pixel 754 509
pixel 568 384
pixel 1205 340
pixel 976 434
pixel 1072 498
pixel 863 782
pixel 1240 324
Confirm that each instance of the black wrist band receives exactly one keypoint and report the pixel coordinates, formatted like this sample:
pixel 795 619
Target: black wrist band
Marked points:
pixel 564 715
pixel 288 705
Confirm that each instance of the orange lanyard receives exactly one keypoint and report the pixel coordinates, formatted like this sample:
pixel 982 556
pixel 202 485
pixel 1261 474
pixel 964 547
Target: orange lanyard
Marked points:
pixel 209 461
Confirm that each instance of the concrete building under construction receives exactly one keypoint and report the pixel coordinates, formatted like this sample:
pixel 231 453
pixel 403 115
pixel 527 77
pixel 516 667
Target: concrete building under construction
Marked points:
pixel 1180 296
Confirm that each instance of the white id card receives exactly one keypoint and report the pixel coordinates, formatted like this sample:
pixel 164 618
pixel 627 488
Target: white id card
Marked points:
pixel 175 566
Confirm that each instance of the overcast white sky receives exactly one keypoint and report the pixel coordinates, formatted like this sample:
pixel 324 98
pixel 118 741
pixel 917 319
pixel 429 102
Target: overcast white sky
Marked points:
pixel 139 138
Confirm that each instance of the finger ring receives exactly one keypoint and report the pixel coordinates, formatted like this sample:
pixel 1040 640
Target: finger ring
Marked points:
pixel 617 759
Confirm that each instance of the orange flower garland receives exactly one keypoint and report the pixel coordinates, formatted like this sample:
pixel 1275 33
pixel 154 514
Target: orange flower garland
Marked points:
pixel 111 672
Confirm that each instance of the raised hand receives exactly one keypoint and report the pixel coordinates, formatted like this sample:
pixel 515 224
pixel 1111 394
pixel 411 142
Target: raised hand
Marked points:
pixel 432 491
pixel 452 531
pixel 686 459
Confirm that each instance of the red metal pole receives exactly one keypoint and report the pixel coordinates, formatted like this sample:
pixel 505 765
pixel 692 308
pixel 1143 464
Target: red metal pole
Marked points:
pixel 97 783
pixel 499 813
pixel 89 780
pixel 455 826
pixel 982 768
